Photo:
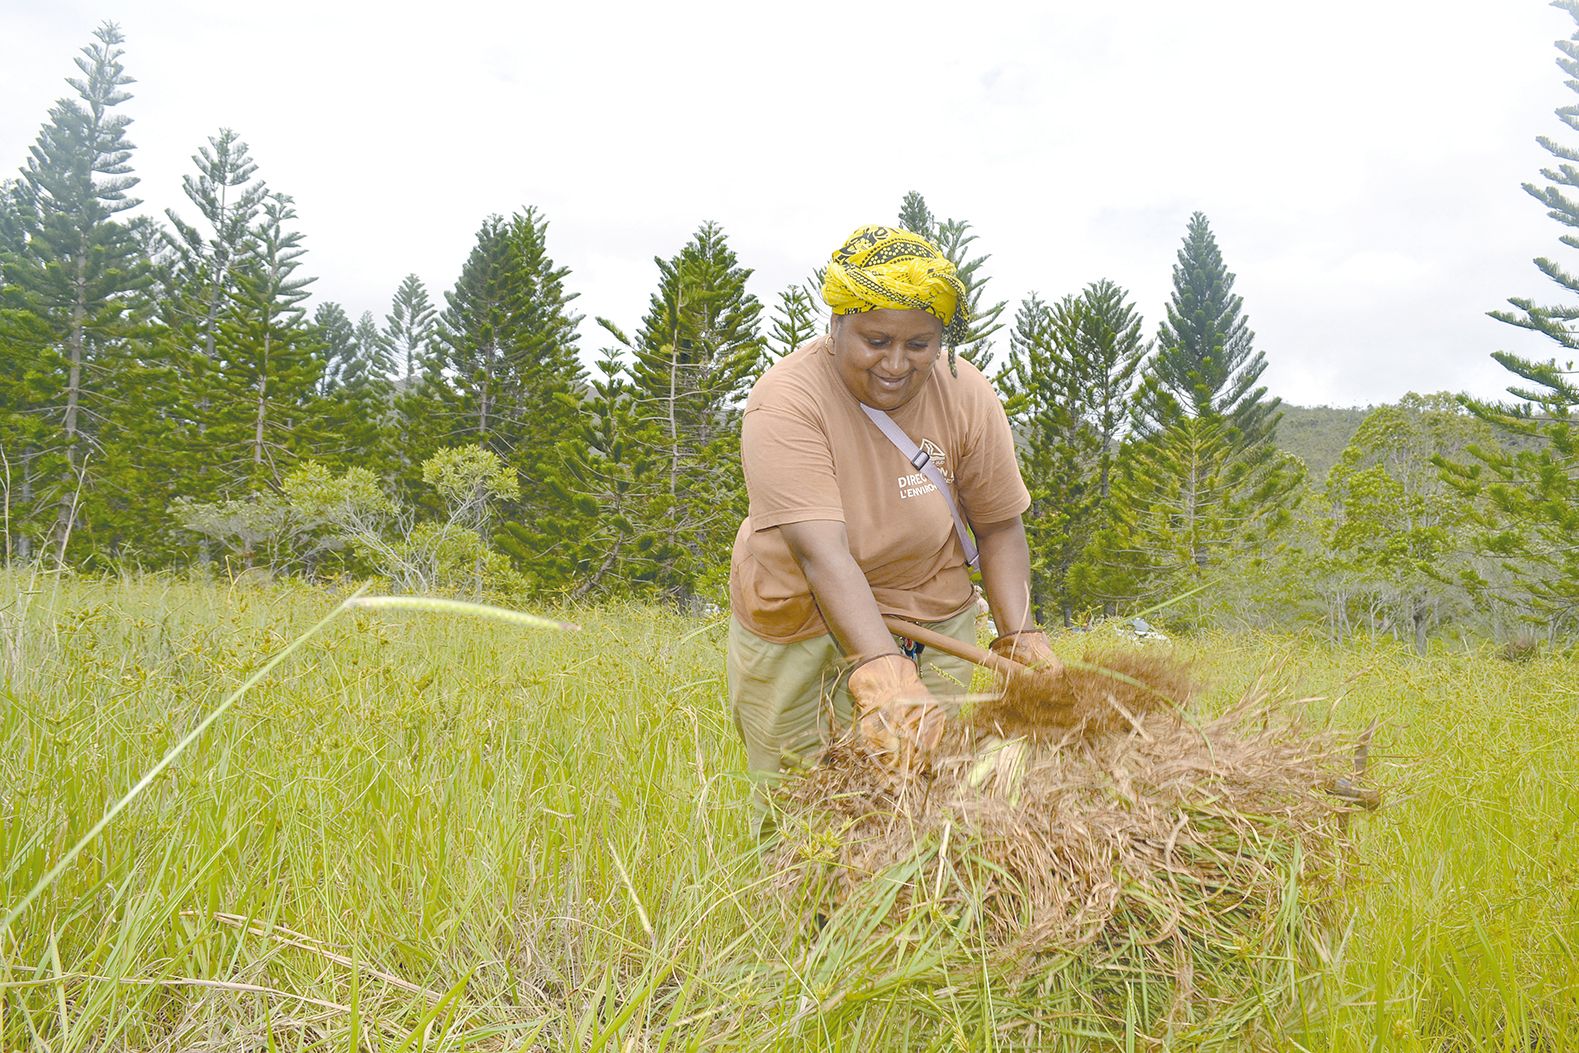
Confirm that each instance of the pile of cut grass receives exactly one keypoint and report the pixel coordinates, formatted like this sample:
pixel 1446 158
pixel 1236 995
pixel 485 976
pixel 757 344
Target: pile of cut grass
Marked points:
pixel 1115 822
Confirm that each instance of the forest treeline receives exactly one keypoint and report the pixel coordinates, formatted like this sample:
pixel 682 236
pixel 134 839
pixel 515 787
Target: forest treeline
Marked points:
pixel 172 396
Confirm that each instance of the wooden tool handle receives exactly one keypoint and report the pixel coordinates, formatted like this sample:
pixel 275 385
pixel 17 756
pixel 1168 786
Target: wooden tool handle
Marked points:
pixel 948 645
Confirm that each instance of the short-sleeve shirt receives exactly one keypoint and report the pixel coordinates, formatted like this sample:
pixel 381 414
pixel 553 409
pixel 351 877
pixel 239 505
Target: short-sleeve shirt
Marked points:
pixel 811 453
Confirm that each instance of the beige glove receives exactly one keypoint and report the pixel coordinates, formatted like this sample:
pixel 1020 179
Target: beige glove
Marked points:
pixel 895 714
pixel 1029 647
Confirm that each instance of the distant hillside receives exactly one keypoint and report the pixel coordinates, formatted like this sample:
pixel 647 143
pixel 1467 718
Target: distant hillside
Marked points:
pixel 1318 434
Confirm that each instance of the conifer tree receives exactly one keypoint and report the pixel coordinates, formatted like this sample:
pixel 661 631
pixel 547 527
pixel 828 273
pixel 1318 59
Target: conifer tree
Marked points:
pixel 375 358
pixel 15 423
pixel 354 411
pixel 985 318
pixel 1206 363
pixel 1042 407
pixel 1202 478
pixel 1394 526
pixel 198 280
pixel 336 339
pixel 509 340
pixel 270 369
pixel 916 217
pixel 695 356
pixel 13 224
pixel 73 282
pixel 420 400
pixel 1530 488
pixel 1070 378
pixel 954 238
pixel 605 484
pixel 197 289
pixel 795 321
pixel 473 337
pixel 1173 515
pixel 1107 349
pixel 410 329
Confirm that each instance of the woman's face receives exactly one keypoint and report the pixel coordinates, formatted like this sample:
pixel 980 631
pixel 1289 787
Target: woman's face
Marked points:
pixel 885 356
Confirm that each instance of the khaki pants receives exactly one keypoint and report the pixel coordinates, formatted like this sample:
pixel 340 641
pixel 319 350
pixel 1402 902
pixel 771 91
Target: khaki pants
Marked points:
pixel 790 700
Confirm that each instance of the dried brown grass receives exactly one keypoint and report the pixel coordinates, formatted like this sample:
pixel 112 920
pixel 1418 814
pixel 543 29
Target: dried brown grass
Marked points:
pixel 1097 814
pixel 1108 690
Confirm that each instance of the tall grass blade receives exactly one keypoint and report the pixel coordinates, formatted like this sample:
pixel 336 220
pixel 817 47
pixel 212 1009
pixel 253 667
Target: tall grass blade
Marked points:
pixel 164 762
pixel 432 605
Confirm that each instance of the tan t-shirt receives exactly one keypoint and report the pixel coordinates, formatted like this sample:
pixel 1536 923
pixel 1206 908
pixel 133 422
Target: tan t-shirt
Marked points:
pixel 811 453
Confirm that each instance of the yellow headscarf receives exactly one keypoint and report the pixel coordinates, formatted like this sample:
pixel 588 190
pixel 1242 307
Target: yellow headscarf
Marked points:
pixel 880 267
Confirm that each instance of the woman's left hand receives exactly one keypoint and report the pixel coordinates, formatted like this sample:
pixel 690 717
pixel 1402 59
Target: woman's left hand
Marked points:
pixel 1030 647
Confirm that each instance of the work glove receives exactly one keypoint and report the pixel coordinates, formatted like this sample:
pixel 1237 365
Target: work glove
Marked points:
pixel 1029 647
pixel 895 715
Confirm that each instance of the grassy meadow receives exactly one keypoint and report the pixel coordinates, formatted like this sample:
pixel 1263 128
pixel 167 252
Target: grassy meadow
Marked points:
pixel 434 832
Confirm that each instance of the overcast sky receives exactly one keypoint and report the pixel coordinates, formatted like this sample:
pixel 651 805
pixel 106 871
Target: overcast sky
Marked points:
pixel 1359 160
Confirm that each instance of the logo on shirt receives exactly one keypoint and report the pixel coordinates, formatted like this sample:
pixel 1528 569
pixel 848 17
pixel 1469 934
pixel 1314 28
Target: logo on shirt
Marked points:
pixel 916 484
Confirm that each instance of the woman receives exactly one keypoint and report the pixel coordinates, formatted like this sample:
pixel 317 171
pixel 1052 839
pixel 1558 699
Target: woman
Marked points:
pixel 844 528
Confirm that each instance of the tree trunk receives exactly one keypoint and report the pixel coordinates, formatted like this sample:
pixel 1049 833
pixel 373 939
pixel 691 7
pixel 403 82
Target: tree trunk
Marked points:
pixel 485 396
pixel 263 405
pixel 76 339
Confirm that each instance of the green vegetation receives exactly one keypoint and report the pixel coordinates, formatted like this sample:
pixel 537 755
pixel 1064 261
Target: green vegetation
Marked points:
pixel 1526 493
pixel 1317 435
pixel 423 831
pixel 166 381
pixel 503 838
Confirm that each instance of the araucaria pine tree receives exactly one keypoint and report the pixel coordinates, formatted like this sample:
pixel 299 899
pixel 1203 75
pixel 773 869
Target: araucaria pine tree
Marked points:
pixel 354 409
pixel 607 483
pixel 1201 483
pixel 1070 377
pixel 336 340
pixel 1206 363
pixel 916 217
pixel 198 263
pixel 73 278
pixel 1530 488
pixel 508 337
pixel 954 238
pixel 796 319
pixel 411 332
pixel 694 358
pixel 410 328
pixel 196 295
pixel 264 417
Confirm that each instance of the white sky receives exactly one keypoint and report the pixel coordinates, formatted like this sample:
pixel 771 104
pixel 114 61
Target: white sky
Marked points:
pixel 1359 160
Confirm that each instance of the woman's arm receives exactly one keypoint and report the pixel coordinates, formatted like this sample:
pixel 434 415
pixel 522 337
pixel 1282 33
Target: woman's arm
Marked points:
pixel 822 549
pixel 1006 573
pixel 894 714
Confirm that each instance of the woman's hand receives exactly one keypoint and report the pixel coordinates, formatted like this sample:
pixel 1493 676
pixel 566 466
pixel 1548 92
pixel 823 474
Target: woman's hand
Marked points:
pixel 1006 573
pixel 895 715
pixel 1029 647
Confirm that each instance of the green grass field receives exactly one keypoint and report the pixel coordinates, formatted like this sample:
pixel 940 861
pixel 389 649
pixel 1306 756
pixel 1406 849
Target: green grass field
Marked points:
pixel 434 832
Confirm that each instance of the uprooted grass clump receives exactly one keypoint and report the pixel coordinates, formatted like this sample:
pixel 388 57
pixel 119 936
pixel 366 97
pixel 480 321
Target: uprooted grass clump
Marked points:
pixel 1106 691
pixel 1105 816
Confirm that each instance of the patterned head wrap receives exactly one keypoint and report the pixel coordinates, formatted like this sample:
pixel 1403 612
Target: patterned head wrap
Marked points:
pixel 886 267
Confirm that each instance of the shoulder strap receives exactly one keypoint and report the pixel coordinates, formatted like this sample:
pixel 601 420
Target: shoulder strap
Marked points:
pixel 921 461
